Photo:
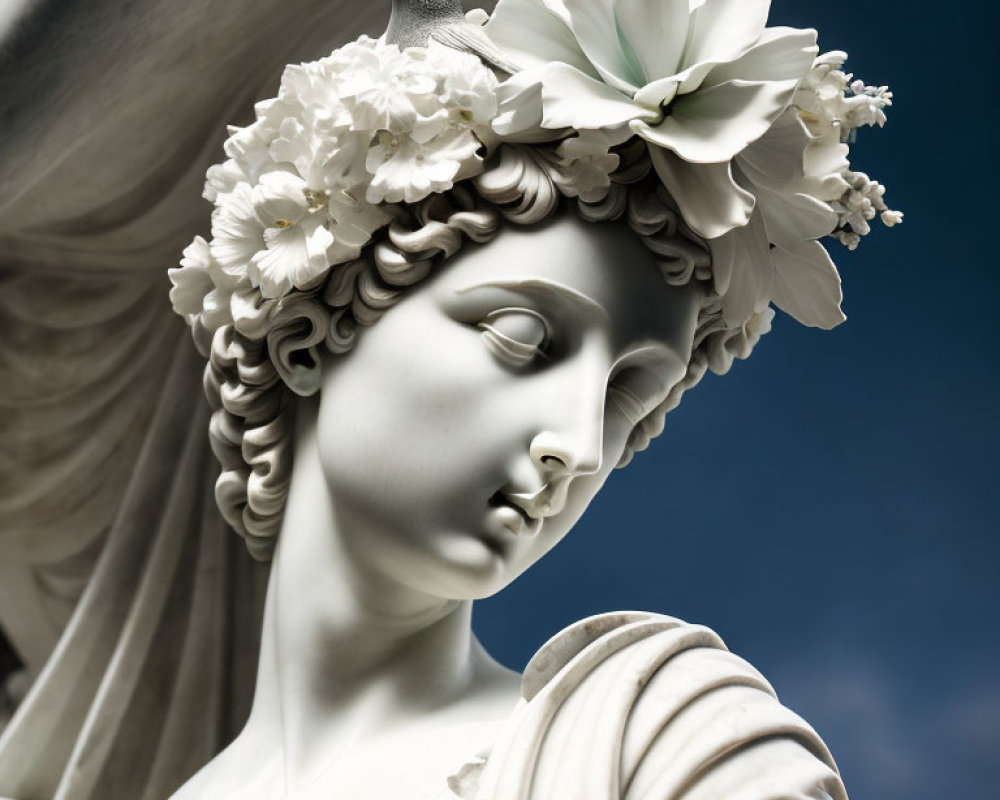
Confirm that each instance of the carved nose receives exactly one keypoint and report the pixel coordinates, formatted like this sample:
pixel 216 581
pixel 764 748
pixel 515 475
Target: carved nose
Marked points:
pixel 573 448
pixel 570 439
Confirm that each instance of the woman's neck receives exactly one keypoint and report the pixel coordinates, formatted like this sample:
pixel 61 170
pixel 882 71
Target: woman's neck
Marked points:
pixel 348 655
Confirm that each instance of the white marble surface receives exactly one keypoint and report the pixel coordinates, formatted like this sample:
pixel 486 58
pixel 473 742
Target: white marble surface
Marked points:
pixel 456 444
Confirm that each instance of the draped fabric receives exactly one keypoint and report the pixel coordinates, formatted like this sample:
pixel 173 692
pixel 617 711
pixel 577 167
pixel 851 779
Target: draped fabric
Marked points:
pixel 135 612
pixel 152 674
pixel 640 706
pixel 119 582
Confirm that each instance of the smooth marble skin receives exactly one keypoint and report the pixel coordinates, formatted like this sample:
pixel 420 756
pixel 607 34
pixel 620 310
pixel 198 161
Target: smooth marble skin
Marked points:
pixel 456 444
pixel 433 469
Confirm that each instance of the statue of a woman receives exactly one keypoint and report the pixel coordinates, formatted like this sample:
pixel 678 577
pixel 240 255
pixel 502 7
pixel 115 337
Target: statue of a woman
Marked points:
pixel 450 287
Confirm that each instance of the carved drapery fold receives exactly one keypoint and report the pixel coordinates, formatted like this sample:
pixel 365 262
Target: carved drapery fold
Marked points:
pixel 156 664
pixel 641 706
pixel 112 112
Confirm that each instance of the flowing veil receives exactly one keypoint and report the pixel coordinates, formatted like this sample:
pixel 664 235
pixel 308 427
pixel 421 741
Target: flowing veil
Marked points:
pixel 134 611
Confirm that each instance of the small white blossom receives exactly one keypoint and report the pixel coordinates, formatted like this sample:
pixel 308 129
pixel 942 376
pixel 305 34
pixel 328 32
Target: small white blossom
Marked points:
pixel 585 165
pixel 237 236
pixel 296 236
pixel 200 288
pixel 467 89
pixel 890 218
pixel 249 150
pixel 386 89
pixel 404 169
pixel 222 179
pixel 833 104
pixel 191 281
pixel 848 239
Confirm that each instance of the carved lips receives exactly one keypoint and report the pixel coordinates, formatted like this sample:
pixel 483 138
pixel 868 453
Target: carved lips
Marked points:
pixel 520 513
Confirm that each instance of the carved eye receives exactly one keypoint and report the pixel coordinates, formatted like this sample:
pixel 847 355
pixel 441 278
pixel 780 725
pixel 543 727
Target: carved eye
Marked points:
pixel 515 335
pixel 635 392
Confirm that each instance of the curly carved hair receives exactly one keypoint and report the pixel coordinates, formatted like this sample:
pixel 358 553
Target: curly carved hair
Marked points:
pixel 251 429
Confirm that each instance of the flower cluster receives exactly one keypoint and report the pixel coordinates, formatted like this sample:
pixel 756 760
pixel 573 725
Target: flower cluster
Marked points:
pixel 803 189
pixel 746 126
pixel 304 186
pixel 833 105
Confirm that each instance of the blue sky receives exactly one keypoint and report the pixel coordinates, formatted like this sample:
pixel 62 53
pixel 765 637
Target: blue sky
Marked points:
pixel 831 506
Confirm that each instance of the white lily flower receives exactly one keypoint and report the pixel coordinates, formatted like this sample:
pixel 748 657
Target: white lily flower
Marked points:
pixel 698 79
pixel 775 257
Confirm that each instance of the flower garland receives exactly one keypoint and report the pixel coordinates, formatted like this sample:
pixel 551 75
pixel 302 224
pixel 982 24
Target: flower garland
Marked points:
pixel 746 127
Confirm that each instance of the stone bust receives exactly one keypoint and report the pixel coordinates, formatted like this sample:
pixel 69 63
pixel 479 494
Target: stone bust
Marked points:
pixel 456 442
pixel 448 289
pixel 510 319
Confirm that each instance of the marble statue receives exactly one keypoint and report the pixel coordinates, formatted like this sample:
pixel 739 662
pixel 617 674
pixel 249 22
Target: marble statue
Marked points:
pixel 456 443
pixel 455 277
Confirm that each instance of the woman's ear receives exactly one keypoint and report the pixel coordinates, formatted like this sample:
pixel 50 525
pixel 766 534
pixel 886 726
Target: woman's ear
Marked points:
pixel 299 325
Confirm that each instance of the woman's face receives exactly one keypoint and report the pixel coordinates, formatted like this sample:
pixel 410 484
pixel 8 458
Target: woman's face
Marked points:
pixel 472 425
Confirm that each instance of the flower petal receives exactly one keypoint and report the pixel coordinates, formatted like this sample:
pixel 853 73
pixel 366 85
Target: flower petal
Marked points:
pixel 236 234
pixel 792 217
pixel 781 54
pixel 532 35
pixel 519 117
pixel 775 159
pixel 571 99
pixel 807 285
pixel 710 200
pixel 279 196
pixel 593 24
pixel 294 257
pixel 191 281
pixel 273 272
pixel 655 31
pixel 249 149
pixel 744 273
pixel 659 93
pixel 825 165
pixel 317 242
pixel 721 30
pixel 215 309
pixel 713 124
